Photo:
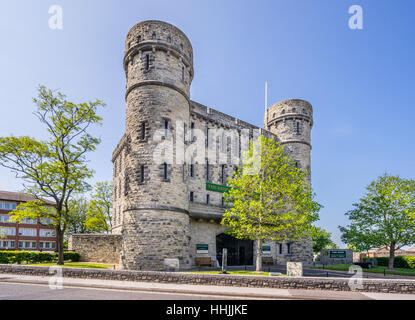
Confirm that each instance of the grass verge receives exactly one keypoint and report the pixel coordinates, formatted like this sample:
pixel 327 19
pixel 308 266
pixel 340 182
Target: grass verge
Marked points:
pixel 75 265
pixel 396 271
pixel 245 273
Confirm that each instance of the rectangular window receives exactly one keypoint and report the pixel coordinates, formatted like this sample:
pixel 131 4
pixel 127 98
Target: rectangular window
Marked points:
pixel 27 232
pixel 147 61
pixel 166 127
pixel 207 170
pixel 47 233
pixel 191 170
pixel 207 137
pixel 182 73
pixel 8 231
pixel 192 127
pixel 5 219
pixel 280 248
pixel 223 201
pixel 191 196
pixel 223 174
pixel 143 131
pixel 165 171
pixel 20 244
pixel 288 248
pixel 207 199
pixel 142 173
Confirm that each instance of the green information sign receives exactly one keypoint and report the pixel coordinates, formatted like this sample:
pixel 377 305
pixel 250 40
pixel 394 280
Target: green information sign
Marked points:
pixel 216 187
pixel 266 248
pixel 340 254
pixel 202 248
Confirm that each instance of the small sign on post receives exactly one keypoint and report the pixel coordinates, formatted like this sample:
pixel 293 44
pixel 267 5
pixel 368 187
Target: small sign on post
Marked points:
pixel 171 265
pixel 224 260
pixel 294 269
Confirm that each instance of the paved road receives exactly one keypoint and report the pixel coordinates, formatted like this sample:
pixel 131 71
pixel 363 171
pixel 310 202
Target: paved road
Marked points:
pixel 18 287
pixel 14 291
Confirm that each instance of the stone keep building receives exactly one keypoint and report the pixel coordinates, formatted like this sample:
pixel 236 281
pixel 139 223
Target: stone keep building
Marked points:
pixel 172 209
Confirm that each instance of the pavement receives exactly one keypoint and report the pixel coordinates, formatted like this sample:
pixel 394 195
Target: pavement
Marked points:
pixel 12 286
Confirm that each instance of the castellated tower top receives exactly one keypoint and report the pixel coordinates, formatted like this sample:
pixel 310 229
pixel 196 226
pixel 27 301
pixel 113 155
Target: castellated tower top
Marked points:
pixel 292 108
pixel 158 35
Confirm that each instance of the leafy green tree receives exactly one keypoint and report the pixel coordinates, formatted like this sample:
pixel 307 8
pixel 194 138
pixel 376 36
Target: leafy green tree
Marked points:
pixel 270 198
pixel 77 220
pixel 99 215
pixel 384 216
pixel 321 239
pixel 54 169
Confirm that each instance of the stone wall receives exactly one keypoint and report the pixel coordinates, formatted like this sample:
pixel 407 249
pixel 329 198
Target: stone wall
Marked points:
pixel 306 283
pixel 105 248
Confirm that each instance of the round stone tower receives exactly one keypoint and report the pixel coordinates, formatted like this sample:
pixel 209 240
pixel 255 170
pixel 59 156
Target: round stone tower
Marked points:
pixel 291 121
pixel 158 64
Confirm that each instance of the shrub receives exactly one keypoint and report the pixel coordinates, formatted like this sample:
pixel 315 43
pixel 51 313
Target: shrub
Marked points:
pixel 73 256
pixel 7 257
pixel 400 262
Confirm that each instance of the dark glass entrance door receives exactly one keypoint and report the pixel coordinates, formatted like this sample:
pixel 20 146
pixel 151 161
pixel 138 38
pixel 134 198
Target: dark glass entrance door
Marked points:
pixel 240 252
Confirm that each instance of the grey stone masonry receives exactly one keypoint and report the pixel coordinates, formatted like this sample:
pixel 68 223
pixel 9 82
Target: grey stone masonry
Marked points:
pixel 97 247
pixel 282 282
pixel 162 206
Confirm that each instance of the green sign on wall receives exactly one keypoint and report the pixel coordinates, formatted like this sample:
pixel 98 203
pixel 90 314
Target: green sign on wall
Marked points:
pixel 202 248
pixel 266 248
pixel 216 187
pixel 340 254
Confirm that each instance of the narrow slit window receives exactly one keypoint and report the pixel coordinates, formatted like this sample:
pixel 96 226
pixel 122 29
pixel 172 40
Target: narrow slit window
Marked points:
pixel 147 62
pixel 192 170
pixel 207 199
pixel 166 127
pixel 207 170
pixel 182 73
pixel 165 171
pixel 191 196
pixel 298 127
pixel 223 173
pixel 192 127
pixel 143 131
pixel 142 173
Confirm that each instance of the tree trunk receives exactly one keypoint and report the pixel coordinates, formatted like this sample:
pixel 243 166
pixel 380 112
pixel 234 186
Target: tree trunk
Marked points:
pixel 59 234
pixel 259 255
pixel 391 255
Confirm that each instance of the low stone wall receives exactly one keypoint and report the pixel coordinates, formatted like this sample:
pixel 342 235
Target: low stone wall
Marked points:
pixel 105 248
pixel 336 284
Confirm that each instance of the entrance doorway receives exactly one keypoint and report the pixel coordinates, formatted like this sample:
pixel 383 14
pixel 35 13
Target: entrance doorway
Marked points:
pixel 240 252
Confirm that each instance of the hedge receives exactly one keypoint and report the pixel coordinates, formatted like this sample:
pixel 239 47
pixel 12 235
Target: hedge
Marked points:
pixel 7 257
pixel 400 261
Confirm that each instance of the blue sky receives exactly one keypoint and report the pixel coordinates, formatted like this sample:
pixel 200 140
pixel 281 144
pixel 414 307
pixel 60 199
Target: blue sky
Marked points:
pixel 360 82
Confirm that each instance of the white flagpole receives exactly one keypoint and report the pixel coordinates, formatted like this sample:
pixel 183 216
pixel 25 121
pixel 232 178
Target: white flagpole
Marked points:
pixel 266 95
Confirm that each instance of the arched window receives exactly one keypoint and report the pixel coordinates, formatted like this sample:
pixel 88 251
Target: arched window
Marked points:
pixel 138 39
pixel 153 36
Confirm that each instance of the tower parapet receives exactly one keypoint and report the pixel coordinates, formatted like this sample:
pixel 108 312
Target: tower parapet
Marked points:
pixel 291 121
